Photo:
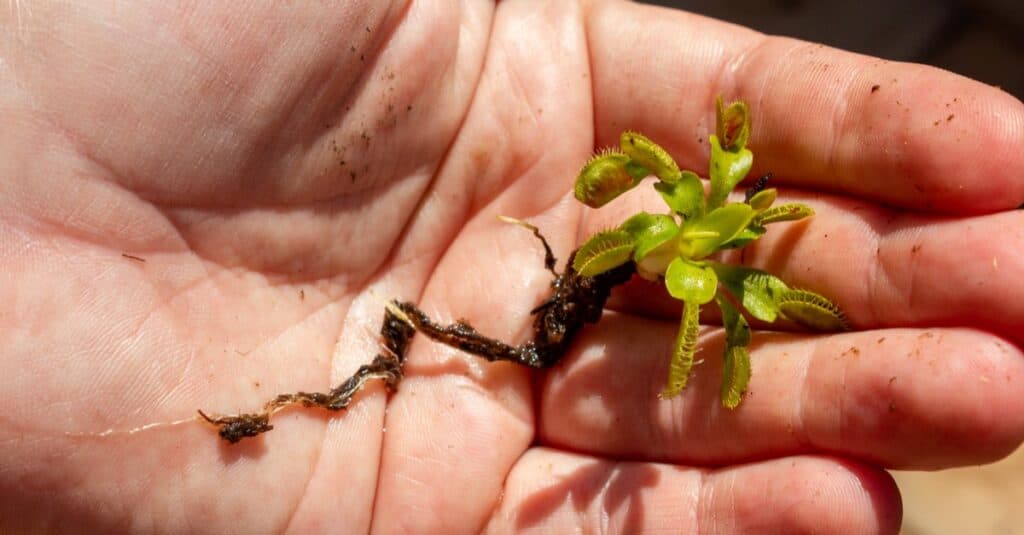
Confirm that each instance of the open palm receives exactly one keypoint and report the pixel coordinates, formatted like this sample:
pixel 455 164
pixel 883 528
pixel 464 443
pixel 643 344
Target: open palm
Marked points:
pixel 203 207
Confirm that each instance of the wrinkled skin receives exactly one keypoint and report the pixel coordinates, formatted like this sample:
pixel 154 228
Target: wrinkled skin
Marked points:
pixel 282 170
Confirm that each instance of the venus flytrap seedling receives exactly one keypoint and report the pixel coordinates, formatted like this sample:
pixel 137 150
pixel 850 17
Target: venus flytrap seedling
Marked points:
pixel 674 247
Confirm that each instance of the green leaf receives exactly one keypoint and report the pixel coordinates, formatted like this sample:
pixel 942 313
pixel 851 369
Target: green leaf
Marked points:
pixel 639 223
pixel 649 232
pixel 689 282
pixel 685 196
pixel 735 376
pixel 602 252
pixel 732 124
pixel 763 199
pixel 650 155
pixel 716 228
pixel 604 178
pixel 727 170
pixel 811 310
pixel 745 237
pixel 637 171
pixel 683 351
pixel 784 212
pixel 737 331
pixel 736 370
pixel 756 290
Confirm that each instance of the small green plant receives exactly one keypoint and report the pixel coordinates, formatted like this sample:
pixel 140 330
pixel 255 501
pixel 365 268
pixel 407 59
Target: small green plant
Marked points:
pixel 674 247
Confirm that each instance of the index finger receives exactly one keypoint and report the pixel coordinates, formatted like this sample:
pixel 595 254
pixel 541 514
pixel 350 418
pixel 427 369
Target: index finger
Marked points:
pixel 902 134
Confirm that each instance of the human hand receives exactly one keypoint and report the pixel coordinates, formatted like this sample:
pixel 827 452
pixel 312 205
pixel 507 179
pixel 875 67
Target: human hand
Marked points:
pixel 273 168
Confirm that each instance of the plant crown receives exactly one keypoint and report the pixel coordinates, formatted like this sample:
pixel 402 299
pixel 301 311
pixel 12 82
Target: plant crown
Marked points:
pixel 674 247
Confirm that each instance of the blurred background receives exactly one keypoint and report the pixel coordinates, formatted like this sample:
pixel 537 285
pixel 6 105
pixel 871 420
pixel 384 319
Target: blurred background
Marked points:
pixel 981 39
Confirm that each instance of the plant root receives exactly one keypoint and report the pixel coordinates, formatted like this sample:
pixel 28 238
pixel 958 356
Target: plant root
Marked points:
pixel 575 301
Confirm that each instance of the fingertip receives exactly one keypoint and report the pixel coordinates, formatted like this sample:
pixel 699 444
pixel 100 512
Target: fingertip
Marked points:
pixel 884 501
pixel 990 423
pixel 961 143
pixel 915 399
pixel 969 408
pixel 802 495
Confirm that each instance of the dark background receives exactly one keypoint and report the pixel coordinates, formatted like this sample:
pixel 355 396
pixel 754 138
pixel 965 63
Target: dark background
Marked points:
pixel 981 39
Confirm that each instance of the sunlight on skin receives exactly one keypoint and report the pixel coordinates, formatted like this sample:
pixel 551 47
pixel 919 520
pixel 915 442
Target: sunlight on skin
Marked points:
pixel 197 203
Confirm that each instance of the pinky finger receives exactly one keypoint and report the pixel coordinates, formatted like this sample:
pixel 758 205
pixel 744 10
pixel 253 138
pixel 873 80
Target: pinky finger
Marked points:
pixel 549 491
